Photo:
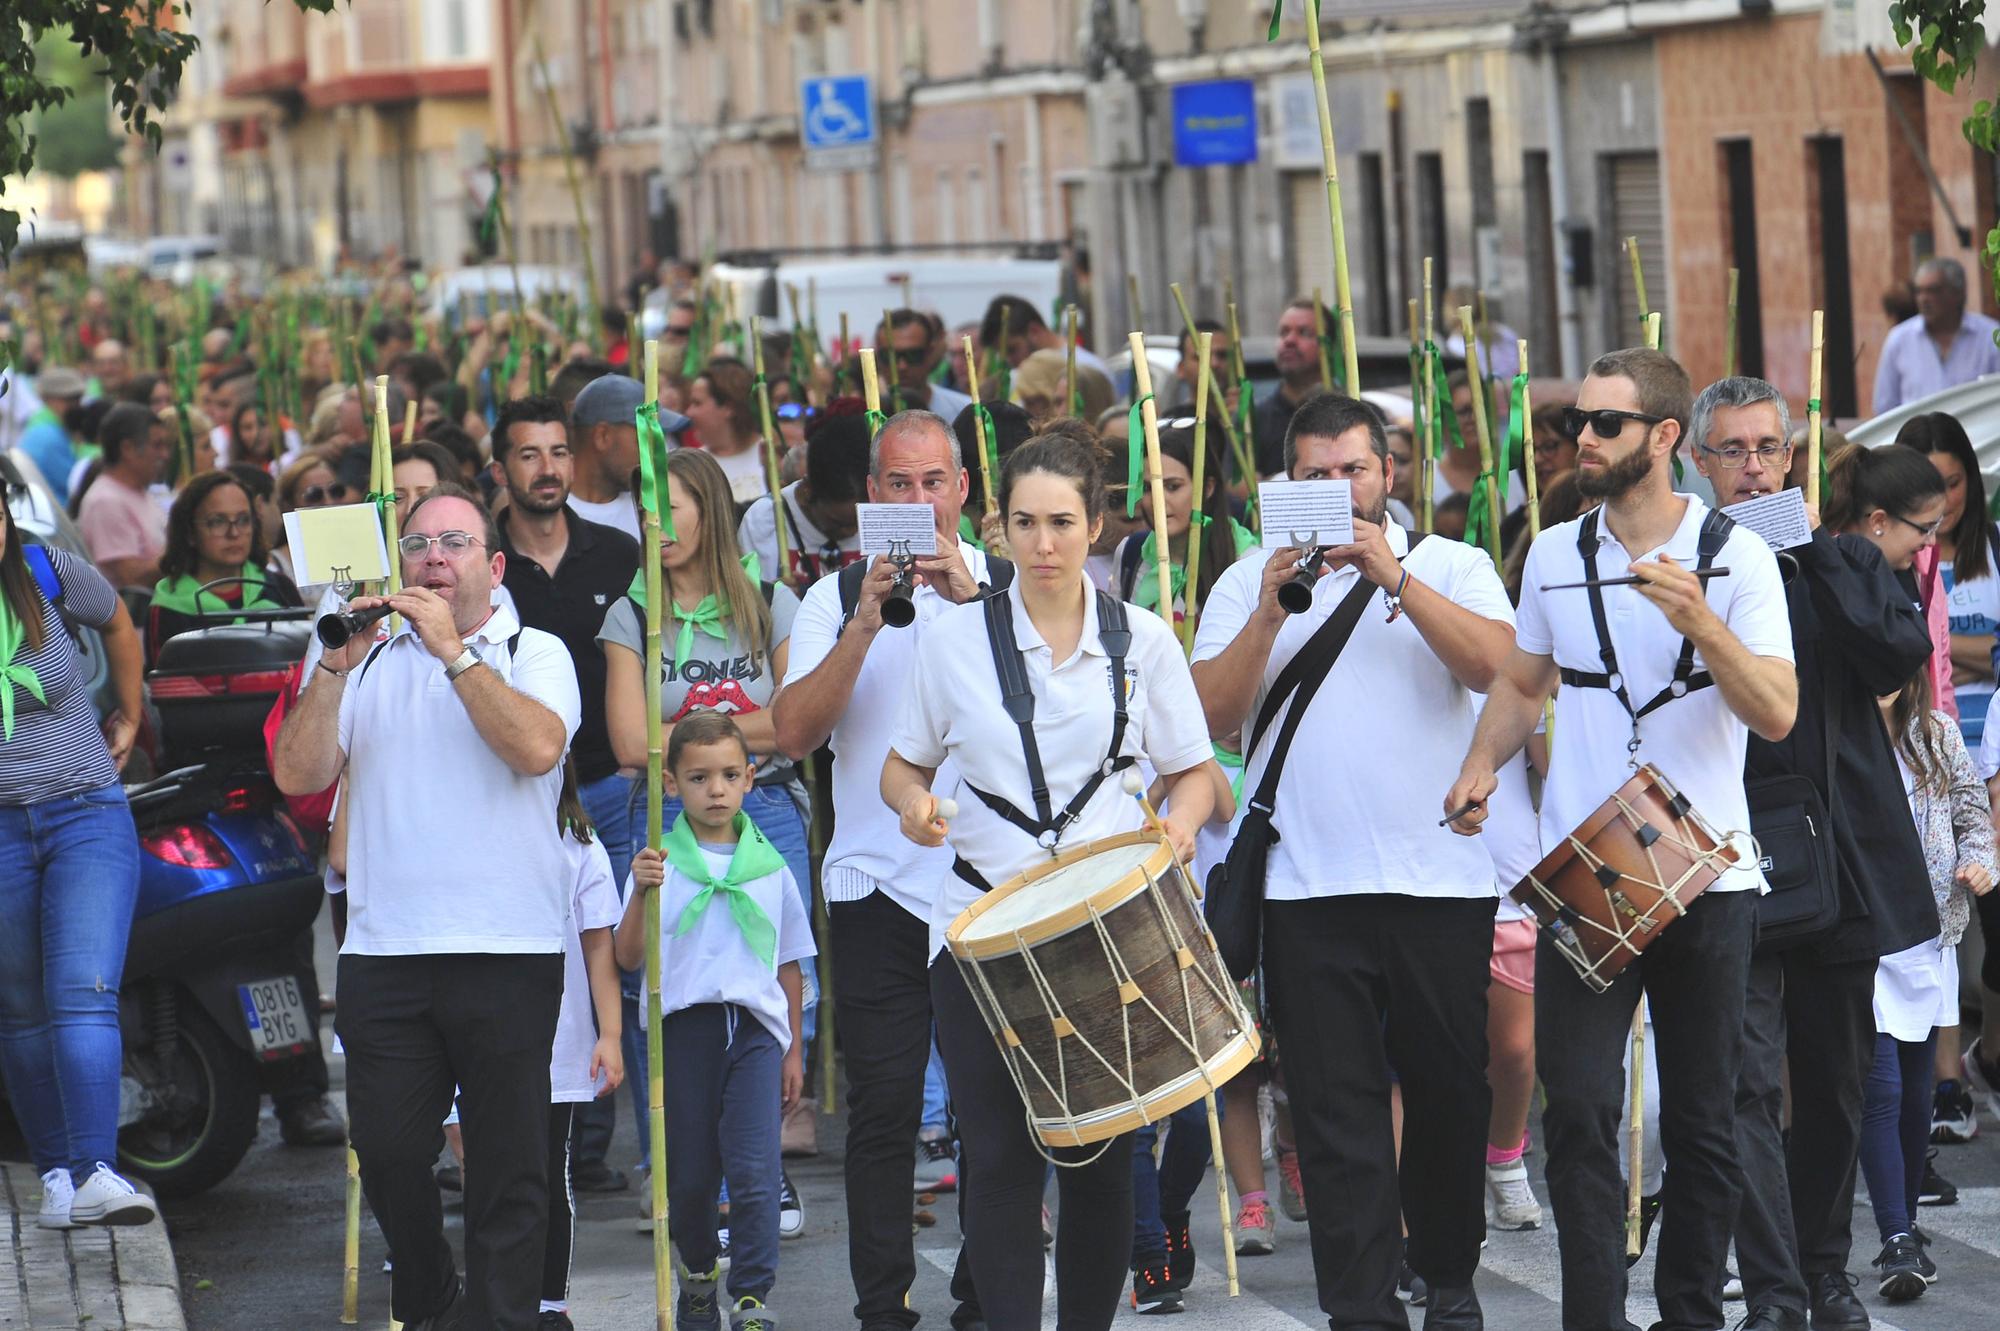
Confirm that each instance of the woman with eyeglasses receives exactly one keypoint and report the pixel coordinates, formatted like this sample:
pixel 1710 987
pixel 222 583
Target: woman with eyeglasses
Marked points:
pixel 723 406
pixel 1966 562
pixel 724 640
pixel 1223 539
pixel 212 538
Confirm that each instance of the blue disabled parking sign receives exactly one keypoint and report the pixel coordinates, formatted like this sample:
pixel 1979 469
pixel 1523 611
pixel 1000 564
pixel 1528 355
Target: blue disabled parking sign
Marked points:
pixel 837 112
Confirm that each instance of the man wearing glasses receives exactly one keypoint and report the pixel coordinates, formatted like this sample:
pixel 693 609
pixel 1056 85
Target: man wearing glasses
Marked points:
pixel 918 346
pixel 451 735
pixel 1676 672
pixel 1944 344
pixel 1857 635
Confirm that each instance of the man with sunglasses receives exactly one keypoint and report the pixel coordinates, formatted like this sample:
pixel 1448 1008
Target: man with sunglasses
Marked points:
pixel 1857 635
pixel 918 346
pixel 451 735
pixel 821 532
pixel 1675 672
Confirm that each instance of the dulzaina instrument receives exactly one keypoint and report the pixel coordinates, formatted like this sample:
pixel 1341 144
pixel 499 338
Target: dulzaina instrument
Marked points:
pixel 1626 873
pixel 1103 988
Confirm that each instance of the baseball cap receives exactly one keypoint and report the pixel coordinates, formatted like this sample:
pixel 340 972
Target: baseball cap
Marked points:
pixel 60 381
pixel 613 399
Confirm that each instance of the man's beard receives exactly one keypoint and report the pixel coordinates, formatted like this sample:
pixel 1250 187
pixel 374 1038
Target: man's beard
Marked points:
pixel 1616 480
pixel 530 502
pixel 1377 513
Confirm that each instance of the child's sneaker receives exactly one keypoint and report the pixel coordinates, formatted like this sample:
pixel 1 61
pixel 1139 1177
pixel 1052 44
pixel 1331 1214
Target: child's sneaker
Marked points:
pixel 750 1314
pixel 1153 1290
pixel 697 1309
pixel 1256 1231
pixel 106 1198
pixel 1180 1252
pixel 57 1194
pixel 791 1211
pixel 1291 1187
pixel 1954 1114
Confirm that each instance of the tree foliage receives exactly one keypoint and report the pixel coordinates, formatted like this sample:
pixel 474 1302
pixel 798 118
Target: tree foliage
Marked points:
pixel 1944 38
pixel 139 50
pixel 75 136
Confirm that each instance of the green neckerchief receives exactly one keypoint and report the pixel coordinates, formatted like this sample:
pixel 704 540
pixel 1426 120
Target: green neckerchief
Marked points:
pixel 12 634
pixel 182 594
pixel 967 533
pixel 1146 592
pixel 1231 761
pixel 710 614
pixel 754 858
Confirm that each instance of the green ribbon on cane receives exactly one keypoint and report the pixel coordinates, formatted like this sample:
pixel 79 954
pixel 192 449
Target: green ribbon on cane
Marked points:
pixel 1135 453
pixel 653 468
pixel 12 634
pixel 1417 435
pixel 1330 349
pixel 1812 408
pixel 876 420
pixel 1513 453
pixel 755 857
pixel 985 419
pixel 1441 386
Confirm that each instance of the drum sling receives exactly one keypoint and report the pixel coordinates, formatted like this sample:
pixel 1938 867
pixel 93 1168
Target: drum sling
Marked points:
pixel 1115 633
pixel 1715 529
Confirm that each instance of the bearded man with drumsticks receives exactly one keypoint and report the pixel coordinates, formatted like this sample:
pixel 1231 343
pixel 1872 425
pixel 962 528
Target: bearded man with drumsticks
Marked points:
pixel 1643 694
pixel 1377 924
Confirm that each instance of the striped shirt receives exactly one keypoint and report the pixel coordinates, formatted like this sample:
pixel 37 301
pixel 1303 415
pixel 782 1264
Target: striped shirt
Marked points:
pixel 58 749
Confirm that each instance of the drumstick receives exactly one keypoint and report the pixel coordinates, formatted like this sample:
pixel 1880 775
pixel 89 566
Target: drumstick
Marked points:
pixel 1136 788
pixel 1222 1193
pixel 947 809
pixel 1458 813
pixel 1626 582
pixel 1636 1150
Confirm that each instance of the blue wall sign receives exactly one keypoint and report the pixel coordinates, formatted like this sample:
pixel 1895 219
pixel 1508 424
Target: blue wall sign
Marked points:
pixel 1215 124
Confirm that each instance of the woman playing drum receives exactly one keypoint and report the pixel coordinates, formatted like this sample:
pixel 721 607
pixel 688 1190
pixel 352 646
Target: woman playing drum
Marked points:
pixel 1102 700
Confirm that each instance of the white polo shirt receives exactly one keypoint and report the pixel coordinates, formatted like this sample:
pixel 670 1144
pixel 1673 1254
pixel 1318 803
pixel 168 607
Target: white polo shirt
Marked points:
pixel 869 852
pixel 953 710
pixel 1695 740
pixel 448 849
pixel 593 904
pixel 1357 806
pixel 711 963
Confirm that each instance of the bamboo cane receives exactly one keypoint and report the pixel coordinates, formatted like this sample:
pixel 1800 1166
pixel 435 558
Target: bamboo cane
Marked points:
pixel 1203 343
pixel 1528 462
pixel 1653 330
pixel 1214 388
pixel 1813 414
pixel 1142 373
pixel 410 424
pixel 1319 340
pixel 1246 446
pixel 507 237
pixel 979 426
pixel 871 385
pixel 561 133
pixel 1427 474
pixel 350 1277
pixel 1729 360
pixel 1132 296
pixel 632 366
pixel 886 340
pixel 1635 1149
pixel 1069 362
pixel 386 466
pixel 844 372
pixel 1638 281
pixel 811 341
pixel 812 305
pixel 1222 1189
pixel 823 936
pixel 656 1100
pixel 1487 477
pixel 772 473
pixel 1342 292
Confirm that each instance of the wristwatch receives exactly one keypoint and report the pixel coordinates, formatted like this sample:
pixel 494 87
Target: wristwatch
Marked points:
pixel 463 662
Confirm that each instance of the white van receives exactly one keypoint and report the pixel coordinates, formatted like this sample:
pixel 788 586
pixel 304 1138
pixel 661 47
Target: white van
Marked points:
pixel 957 288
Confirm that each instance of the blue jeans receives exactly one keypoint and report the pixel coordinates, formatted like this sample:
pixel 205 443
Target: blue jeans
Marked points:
pixel 608 801
pixel 1165 1190
pixel 937 1095
pixel 1896 1129
pixel 722 1123
pixel 69 879
pixel 777 816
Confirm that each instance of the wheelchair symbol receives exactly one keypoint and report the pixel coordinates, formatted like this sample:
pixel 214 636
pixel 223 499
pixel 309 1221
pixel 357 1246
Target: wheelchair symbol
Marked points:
pixel 831 121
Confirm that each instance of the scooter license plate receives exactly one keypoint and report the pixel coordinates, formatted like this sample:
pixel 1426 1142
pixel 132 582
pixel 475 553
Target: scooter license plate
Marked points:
pixel 275 1016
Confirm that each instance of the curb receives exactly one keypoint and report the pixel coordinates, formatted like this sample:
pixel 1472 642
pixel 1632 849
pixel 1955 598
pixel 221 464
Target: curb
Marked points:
pixel 94 1279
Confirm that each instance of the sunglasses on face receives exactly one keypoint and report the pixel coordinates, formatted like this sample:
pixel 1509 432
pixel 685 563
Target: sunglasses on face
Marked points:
pixel 323 494
pixel 1606 423
pixel 794 411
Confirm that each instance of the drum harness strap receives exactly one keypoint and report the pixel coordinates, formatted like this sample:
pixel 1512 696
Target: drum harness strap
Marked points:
pixel 1715 529
pixel 1115 633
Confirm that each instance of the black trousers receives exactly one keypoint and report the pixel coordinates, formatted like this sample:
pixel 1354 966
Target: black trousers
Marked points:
pixel 413 1027
pixel 883 1006
pixel 559 1248
pixel 1001 1172
pixel 1798 1202
pixel 1358 985
pixel 1694 978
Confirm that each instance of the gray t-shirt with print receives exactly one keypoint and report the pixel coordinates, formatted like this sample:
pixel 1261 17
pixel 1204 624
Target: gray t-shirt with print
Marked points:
pixel 720 674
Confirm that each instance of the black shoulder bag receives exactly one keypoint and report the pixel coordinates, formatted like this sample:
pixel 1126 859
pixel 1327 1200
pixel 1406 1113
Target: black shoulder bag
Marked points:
pixel 1234 897
pixel 1789 820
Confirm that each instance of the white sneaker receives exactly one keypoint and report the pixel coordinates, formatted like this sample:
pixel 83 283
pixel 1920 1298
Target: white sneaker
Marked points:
pixel 107 1199
pixel 1510 1200
pixel 57 1194
pixel 791 1211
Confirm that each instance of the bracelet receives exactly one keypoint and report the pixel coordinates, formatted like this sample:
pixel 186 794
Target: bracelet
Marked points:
pixel 1394 600
pixel 337 674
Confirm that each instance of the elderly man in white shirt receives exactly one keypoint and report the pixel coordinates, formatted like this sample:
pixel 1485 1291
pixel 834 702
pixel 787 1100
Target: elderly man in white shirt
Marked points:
pixel 845 681
pixel 451 735
pixel 1378 924
pixel 1642 696
pixel 1944 344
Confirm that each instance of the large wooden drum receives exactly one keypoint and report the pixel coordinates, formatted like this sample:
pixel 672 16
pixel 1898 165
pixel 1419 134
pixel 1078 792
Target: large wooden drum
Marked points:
pixel 1102 986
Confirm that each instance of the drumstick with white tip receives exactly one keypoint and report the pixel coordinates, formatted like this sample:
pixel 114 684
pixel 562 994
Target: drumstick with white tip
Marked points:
pixel 946 811
pixel 1136 788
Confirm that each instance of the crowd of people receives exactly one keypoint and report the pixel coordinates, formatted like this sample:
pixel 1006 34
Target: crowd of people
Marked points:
pixel 482 763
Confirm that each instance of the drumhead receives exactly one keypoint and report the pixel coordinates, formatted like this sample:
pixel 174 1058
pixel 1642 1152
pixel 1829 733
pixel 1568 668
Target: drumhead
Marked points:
pixel 1057 891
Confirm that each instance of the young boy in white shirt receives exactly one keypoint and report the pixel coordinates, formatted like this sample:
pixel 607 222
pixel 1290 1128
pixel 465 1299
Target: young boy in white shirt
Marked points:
pixel 732 935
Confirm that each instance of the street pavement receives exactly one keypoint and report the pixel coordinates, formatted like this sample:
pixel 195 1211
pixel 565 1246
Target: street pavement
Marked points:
pixel 263 1251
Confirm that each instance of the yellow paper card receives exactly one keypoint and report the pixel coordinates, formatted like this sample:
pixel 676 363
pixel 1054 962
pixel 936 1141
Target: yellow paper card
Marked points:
pixel 339 544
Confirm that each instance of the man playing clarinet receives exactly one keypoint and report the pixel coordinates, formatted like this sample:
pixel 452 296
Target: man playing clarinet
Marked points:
pixel 1673 670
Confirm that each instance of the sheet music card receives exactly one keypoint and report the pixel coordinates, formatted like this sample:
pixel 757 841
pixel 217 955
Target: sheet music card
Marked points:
pixel 897 529
pixel 1318 512
pixel 342 544
pixel 1779 518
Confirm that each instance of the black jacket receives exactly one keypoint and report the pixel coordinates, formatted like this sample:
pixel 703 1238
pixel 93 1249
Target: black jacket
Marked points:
pixel 1857 635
